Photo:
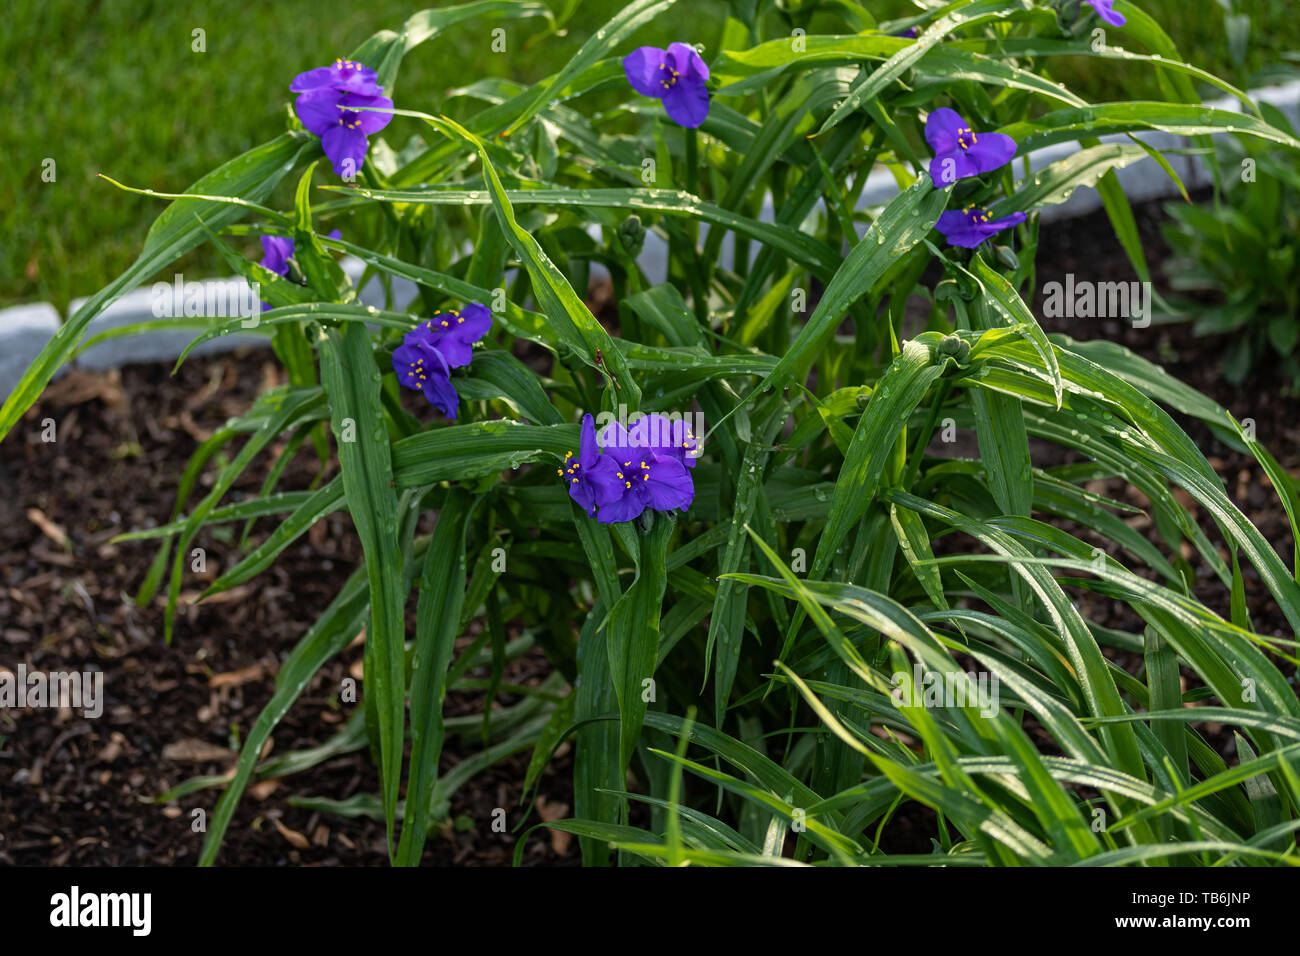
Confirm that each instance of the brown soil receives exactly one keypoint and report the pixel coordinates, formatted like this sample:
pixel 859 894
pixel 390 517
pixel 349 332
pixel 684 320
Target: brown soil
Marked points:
pixel 80 791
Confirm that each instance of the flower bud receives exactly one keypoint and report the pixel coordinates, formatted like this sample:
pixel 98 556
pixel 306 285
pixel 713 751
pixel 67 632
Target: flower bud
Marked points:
pixel 631 235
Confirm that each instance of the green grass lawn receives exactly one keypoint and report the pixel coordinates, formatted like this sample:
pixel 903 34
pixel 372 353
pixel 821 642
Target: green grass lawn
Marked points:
pixel 115 87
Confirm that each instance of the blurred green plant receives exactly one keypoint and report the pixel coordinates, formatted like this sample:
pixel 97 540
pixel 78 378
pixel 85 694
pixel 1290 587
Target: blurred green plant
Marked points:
pixel 1241 255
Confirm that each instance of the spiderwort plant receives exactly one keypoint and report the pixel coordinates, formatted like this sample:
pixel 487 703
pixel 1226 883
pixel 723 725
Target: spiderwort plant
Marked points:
pixel 806 535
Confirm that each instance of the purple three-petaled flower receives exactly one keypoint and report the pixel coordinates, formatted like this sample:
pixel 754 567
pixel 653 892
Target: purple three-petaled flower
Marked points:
pixel 1106 10
pixel 339 104
pixel 432 349
pixel 276 253
pixel 454 333
pixel 594 478
pixel 651 478
pixel 959 151
pixel 420 365
pixel 969 227
pixel 676 76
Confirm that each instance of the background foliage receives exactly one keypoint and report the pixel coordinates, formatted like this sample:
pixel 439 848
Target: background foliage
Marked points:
pixel 88 66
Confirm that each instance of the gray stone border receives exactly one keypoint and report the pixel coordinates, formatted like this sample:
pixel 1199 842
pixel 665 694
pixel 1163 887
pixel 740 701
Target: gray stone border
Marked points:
pixel 25 329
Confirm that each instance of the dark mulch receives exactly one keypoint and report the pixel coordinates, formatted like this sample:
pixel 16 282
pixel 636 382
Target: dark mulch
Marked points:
pixel 1087 248
pixel 80 791
pixel 76 791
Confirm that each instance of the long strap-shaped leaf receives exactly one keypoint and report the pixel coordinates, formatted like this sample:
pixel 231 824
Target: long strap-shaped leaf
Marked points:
pixel 352 383
pixel 1182 119
pixel 1085 656
pixel 818 256
pixel 442 593
pixel 633 639
pixel 901 225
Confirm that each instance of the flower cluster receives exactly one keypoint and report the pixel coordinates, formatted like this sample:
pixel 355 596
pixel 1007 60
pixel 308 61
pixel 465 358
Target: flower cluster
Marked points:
pixel 960 152
pixel 432 349
pixel 632 469
pixel 338 103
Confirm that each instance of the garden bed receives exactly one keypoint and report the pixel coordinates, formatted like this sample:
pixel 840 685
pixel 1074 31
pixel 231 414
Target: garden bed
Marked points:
pixel 74 791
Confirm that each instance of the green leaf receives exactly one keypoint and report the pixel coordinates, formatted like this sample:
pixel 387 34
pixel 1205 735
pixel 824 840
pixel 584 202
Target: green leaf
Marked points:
pixel 384 51
pixel 798 245
pixel 1182 119
pixel 901 225
pixel 356 415
pixel 633 635
pixel 901 389
pixel 442 592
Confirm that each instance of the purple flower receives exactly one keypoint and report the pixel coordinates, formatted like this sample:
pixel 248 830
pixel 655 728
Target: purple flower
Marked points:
pixel 453 333
pixel 971 226
pixel 1105 10
pixel 346 76
pixel 419 365
pixel 959 151
pixel 276 253
pixel 432 349
pixel 676 76
pixel 650 480
pixel 911 34
pixel 337 104
pixel 594 479
pixel 665 437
